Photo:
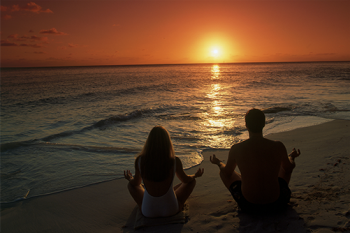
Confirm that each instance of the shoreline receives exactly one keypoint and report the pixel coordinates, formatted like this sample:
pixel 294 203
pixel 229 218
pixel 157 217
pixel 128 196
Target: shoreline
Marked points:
pixel 243 136
pixel 320 196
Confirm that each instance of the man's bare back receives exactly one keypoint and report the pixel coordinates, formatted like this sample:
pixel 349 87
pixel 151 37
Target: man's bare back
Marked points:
pixel 265 168
pixel 259 161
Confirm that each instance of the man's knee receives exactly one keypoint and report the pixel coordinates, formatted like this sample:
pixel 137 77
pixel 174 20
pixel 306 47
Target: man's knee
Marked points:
pixel 223 176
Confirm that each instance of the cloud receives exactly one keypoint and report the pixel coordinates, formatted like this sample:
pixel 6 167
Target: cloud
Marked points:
pixel 8 43
pixel 31 6
pixel 15 37
pixel 39 38
pixel 4 8
pixel 72 45
pixel 32 45
pixel 52 31
pixel 53 59
pixel 35 8
pixel 15 8
pixel 6 17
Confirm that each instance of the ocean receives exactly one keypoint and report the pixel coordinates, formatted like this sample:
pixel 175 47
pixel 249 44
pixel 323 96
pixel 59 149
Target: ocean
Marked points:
pixel 68 127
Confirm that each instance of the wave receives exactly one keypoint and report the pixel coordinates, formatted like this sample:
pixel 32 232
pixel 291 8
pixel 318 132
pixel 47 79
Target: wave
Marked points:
pixel 59 135
pixel 177 117
pixel 276 109
pixel 7 204
pixel 305 109
pixel 101 124
pixel 37 142
pixel 329 107
pixel 9 175
pixel 99 149
pixel 344 78
pixel 13 145
pixel 43 101
pixel 116 119
pixel 92 96
pixel 105 123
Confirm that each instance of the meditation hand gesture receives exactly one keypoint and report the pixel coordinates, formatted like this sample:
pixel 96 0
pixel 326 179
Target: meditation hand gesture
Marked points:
pixel 215 160
pixel 199 173
pixel 128 175
pixel 294 153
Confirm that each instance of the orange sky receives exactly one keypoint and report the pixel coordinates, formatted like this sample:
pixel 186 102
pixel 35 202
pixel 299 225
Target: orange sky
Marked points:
pixel 106 32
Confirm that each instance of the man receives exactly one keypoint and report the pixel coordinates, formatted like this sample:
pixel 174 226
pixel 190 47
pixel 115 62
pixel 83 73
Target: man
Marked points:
pixel 265 168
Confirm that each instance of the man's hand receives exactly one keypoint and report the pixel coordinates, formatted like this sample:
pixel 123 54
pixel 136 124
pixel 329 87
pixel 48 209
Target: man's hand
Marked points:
pixel 215 160
pixel 199 173
pixel 128 175
pixel 294 153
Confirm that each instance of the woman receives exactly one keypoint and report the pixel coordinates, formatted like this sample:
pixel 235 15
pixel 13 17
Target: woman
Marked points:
pixel 157 166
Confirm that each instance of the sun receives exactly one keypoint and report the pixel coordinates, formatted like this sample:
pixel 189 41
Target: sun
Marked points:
pixel 215 53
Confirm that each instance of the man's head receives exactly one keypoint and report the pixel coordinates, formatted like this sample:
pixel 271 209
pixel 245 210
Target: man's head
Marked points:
pixel 255 120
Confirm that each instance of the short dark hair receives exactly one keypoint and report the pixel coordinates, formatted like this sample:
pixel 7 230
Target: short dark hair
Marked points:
pixel 255 120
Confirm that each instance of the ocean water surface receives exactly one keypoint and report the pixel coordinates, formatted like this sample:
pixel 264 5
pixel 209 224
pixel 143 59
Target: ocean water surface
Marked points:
pixel 68 127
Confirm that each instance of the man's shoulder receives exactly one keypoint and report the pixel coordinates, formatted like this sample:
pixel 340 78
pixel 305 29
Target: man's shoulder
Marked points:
pixel 238 147
pixel 247 143
pixel 276 145
pixel 273 141
pixel 239 144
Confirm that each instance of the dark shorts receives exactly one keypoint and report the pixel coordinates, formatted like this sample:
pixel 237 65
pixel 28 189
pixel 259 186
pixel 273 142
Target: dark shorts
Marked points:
pixel 246 206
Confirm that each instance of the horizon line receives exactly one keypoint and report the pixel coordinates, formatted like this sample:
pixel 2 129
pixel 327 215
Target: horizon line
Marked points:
pixel 167 64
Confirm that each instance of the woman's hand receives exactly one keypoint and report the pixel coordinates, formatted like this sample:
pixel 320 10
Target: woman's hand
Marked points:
pixel 294 153
pixel 128 175
pixel 215 160
pixel 199 172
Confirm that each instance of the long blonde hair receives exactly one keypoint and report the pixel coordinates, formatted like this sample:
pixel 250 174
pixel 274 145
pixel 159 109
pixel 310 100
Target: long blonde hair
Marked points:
pixel 157 155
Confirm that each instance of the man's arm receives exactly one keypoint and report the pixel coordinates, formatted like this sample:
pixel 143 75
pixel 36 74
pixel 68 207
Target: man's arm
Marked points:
pixel 229 168
pixel 288 163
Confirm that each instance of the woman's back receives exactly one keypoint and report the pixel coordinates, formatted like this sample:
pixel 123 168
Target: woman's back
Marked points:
pixel 159 199
pixel 157 188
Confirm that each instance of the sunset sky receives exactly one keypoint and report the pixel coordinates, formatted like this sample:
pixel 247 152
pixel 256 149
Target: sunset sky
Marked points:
pixel 106 32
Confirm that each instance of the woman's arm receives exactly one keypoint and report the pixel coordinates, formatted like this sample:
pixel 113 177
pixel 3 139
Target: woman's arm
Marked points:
pixel 183 177
pixel 136 180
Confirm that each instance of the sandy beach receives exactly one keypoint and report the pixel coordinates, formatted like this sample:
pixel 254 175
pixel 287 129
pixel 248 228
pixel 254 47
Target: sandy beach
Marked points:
pixel 320 200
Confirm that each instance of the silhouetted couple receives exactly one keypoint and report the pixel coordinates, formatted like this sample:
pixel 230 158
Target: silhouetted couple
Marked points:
pixel 262 186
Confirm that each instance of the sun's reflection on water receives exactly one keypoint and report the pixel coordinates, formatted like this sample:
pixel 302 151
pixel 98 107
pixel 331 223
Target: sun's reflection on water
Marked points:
pixel 215 71
pixel 217 118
